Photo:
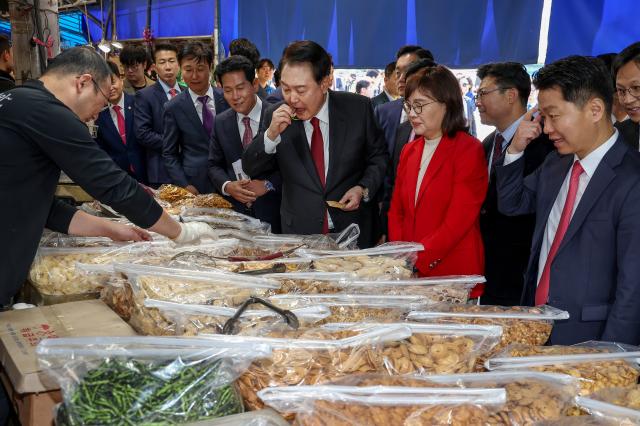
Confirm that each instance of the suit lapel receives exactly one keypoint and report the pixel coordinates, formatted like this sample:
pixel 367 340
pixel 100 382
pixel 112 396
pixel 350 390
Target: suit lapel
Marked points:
pixel 231 131
pixel 128 116
pixel 299 140
pixel 337 129
pixel 158 92
pixel 440 156
pixel 192 115
pixel 487 144
pixel 108 125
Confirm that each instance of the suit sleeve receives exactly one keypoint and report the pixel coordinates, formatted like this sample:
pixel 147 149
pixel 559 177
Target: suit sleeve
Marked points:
pixel 377 155
pixel 396 209
pixel 171 149
pixel 516 193
pixel 143 124
pixel 468 193
pixel 623 322
pixel 60 215
pixel 217 162
pixel 255 161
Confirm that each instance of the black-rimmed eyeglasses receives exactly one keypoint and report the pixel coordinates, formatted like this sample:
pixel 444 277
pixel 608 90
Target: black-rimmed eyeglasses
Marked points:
pixel 416 107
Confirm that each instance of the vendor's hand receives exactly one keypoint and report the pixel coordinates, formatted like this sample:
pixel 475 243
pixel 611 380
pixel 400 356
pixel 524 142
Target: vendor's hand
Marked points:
pixel 529 129
pixel 240 191
pixel 120 232
pixel 192 189
pixel 193 232
pixel 280 120
pixel 257 187
pixel 351 199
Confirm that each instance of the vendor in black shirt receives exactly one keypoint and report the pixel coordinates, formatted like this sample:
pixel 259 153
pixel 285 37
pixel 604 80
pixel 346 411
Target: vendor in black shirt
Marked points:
pixel 7 81
pixel 42 131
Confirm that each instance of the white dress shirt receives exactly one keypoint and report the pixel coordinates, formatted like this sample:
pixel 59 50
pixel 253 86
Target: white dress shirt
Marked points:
pixel 508 134
pixel 114 116
pixel 254 117
pixel 211 104
pixel 166 88
pixel 589 164
pixel 430 146
pixel 403 115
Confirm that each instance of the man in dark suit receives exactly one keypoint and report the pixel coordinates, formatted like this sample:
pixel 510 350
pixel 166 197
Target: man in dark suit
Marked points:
pixel 149 108
pixel 627 71
pixel 326 146
pixel 390 115
pixel 115 130
pixel 586 196
pixel 390 86
pixel 233 131
pixel 7 82
pixel 502 102
pixel 189 120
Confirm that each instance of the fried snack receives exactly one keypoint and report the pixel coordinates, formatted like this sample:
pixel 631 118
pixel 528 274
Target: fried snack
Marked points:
pixel 624 397
pixel 56 274
pixel 369 267
pixel 173 193
pixel 307 286
pixel 119 297
pixel 336 204
pixel 211 201
pixel 455 294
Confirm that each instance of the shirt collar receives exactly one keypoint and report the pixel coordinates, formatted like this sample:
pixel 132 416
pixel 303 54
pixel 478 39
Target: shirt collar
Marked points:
pixel 255 112
pixel 120 103
pixel 511 130
pixel 391 98
pixel 590 162
pixel 166 87
pixel 323 114
pixel 195 96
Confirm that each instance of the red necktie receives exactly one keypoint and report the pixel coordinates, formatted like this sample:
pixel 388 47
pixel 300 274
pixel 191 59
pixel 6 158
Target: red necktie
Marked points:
pixel 497 149
pixel 121 129
pixel 173 92
pixel 247 137
pixel 317 153
pixel 542 293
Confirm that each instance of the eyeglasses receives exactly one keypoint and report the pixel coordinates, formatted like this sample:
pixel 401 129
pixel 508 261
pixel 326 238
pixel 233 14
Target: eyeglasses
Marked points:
pixel 483 92
pixel 95 83
pixel 416 107
pixel 633 91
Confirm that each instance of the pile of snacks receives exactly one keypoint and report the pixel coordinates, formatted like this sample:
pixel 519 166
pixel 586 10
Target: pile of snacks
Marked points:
pixel 176 198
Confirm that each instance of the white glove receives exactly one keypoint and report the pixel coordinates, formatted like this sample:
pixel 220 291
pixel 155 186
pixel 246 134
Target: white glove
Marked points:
pixel 194 231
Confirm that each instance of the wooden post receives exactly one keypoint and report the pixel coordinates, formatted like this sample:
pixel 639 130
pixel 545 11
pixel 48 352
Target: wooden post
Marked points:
pixel 30 60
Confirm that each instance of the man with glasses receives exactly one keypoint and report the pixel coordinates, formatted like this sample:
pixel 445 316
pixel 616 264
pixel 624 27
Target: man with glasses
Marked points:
pixel 7 82
pixel 134 60
pixel 627 72
pixel 502 102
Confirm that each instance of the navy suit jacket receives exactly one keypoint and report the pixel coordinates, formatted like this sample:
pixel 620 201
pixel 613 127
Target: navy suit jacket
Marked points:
pixel 148 126
pixel 128 156
pixel 595 275
pixel 226 149
pixel 186 144
pixel 276 96
pixel 388 118
pixel 630 131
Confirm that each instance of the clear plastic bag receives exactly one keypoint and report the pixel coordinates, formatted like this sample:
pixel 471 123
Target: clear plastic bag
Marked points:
pixel 628 397
pixel 314 355
pixel 338 405
pixel 598 365
pixel 611 412
pixel 253 226
pixel 190 320
pixel 435 348
pixel 136 380
pixel 348 238
pixel 311 282
pixel 355 307
pixel 520 324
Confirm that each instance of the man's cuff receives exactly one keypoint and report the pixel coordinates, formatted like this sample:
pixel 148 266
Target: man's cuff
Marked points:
pixel 510 158
pixel 269 145
pixel 224 186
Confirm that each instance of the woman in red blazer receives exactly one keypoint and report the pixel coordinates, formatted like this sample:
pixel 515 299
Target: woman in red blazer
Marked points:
pixel 441 179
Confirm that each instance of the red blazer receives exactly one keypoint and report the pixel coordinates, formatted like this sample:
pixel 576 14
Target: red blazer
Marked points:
pixel 446 217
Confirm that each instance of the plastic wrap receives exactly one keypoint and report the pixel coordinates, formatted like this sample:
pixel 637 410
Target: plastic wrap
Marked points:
pixel 435 348
pixel 255 226
pixel 622 397
pixel 355 307
pixel 311 282
pixel 175 198
pixel 136 380
pixel 311 356
pixel 597 365
pixel 265 417
pixel 190 320
pixel 381 405
pixel 612 412
pixel 520 324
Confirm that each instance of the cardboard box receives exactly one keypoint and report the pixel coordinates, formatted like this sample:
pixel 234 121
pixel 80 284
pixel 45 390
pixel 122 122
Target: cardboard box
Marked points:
pixel 21 331
pixel 34 409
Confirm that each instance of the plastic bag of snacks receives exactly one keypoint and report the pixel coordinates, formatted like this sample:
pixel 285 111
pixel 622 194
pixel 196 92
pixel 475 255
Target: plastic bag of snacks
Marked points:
pixel 314 355
pixel 598 365
pixel 175 198
pixel 190 320
pixel 136 380
pixel 383 405
pixel 623 397
pixel 355 307
pixel 454 289
pixel 254 226
pixel 608 410
pixel 520 324
pixel 311 282
pixel 434 348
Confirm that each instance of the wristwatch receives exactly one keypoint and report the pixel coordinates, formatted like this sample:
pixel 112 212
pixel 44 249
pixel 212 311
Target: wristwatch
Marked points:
pixel 365 193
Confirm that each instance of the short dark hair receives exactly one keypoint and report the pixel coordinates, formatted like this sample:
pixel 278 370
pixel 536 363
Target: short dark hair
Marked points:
pixel 114 68
pixel 307 51
pixel 267 61
pixel 276 77
pixel 196 50
pixel 236 63
pixel 5 44
pixel 389 69
pixel 417 66
pixel 579 78
pixel 362 84
pixel 80 60
pixel 443 86
pixel 419 51
pixel 166 47
pixel 132 55
pixel 608 59
pixel 373 73
pixel 507 75
pixel 246 48
pixel 628 54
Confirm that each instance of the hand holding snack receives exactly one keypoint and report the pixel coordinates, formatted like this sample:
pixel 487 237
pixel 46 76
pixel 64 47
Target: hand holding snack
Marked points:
pixel 280 120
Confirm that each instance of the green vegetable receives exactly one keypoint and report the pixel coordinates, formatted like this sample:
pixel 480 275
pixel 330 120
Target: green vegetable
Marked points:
pixel 129 392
